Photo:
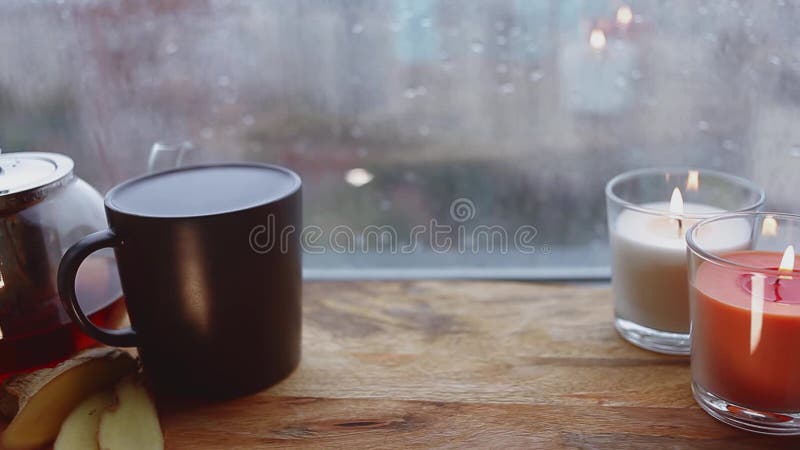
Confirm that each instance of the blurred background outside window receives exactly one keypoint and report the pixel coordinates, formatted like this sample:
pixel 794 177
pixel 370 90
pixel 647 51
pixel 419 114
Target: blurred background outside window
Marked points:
pixel 393 111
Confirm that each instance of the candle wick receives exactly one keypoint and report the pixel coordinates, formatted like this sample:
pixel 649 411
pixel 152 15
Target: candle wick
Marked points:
pixel 778 290
pixel 680 227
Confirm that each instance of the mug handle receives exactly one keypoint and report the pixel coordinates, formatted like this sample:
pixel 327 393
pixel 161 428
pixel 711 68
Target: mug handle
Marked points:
pixel 68 270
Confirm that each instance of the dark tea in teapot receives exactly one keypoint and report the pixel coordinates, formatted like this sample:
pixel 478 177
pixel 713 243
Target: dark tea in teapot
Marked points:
pixel 37 331
pixel 45 208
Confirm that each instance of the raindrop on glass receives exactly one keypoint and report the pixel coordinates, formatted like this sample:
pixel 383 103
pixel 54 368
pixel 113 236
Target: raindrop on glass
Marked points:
pixel 536 76
pixel 728 145
pixel 248 120
pixel 207 133
pixel 476 46
pixel 357 28
pixel 170 48
pixel 703 125
pixel 506 88
pixel 230 99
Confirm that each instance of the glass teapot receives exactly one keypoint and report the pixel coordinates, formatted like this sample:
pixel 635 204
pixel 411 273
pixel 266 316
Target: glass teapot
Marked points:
pixel 44 209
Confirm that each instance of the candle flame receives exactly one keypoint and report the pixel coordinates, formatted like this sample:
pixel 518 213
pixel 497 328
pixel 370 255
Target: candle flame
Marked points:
pixel 769 227
pixel 2 285
pixel 693 181
pixel 624 15
pixel 676 203
pixel 787 262
pixel 676 209
pixel 597 39
pixel 756 310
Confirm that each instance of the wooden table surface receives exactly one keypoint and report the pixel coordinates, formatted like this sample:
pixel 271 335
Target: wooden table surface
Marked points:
pixel 464 364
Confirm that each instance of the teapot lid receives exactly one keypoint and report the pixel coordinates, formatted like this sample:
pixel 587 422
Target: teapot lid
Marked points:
pixel 27 177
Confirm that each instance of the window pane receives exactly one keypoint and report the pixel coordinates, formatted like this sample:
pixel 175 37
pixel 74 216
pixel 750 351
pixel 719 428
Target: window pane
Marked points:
pixel 511 113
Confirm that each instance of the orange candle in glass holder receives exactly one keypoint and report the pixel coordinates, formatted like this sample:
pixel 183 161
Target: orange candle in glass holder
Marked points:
pixel 746 330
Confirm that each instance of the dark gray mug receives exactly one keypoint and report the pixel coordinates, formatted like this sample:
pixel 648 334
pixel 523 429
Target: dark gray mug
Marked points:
pixel 210 264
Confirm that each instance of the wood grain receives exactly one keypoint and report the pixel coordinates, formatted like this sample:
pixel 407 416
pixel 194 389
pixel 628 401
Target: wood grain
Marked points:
pixel 370 423
pixel 449 364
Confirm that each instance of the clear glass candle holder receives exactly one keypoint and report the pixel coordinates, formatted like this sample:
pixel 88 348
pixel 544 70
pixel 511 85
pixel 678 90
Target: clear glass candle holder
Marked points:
pixel 745 311
pixel 649 212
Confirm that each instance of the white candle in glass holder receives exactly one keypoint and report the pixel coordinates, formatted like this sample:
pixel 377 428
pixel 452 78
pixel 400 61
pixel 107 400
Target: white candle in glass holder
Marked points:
pixel 650 264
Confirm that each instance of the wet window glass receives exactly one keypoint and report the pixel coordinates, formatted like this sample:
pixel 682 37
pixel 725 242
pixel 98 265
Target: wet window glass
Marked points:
pixel 434 138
